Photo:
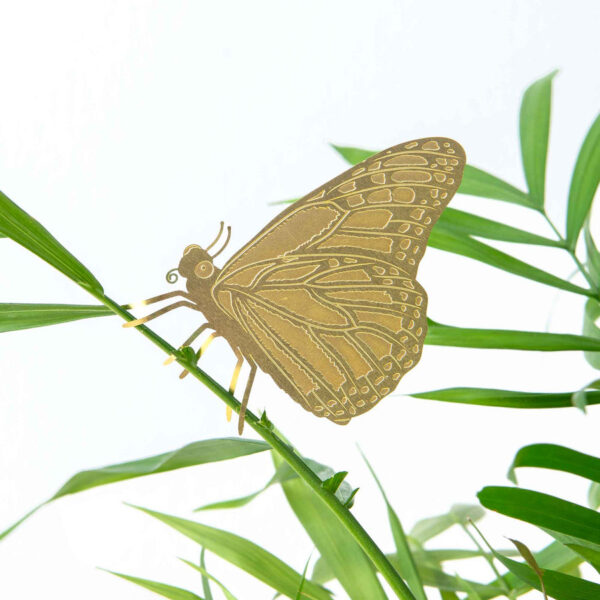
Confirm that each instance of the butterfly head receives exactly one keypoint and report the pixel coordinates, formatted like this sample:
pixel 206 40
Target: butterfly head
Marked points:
pixel 196 264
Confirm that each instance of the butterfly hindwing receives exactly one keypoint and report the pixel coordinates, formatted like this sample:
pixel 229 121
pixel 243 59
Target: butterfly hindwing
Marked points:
pixel 327 290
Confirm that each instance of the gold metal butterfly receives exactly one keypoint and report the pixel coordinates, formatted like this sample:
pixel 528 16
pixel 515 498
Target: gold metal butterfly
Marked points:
pixel 325 298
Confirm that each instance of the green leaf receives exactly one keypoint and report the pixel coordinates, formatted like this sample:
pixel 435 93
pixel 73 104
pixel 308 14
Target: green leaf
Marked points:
pixel 206 575
pixel 526 553
pixel 408 568
pixel 16 224
pixel 592 253
pixel 534 125
pixel 476 182
pixel 446 238
pixel 447 335
pixel 504 398
pixel 430 527
pixel 25 316
pixel 544 511
pixel 244 554
pixel 466 223
pixel 350 564
pixel 335 481
pixel 304 573
pixel 558 458
pixel 197 453
pixel 584 183
pixel 162 589
pixel 591 315
pixel 205 583
pixel 594 496
pixel 353 155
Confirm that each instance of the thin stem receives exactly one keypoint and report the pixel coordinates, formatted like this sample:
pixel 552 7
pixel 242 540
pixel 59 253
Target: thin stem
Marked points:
pixel 285 451
pixel 579 264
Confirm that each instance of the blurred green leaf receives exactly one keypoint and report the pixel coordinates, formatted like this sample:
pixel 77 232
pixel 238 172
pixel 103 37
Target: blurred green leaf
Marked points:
pixel 197 453
pixel 408 568
pixel 430 527
pixel 301 587
pixel 469 224
pixel 476 182
pixel 448 335
pixel 162 589
pixel 592 253
pixel 446 238
pixel 333 483
pixel 244 554
pixel 591 315
pixel 443 555
pixel 544 511
pixel 504 398
pixel 205 583
pixel 534 126
pixel 25 316
pixel 206 575
pixel 351 566
pixel 558 458
pixel 353 155
pixel 16 224
pixel 584 183
pixel 594 496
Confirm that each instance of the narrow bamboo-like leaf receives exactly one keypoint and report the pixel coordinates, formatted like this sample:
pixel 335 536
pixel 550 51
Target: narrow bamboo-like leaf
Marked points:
pixel 584 183
pixel 504 398
pixel 469 224
pixel 353 155
pixel 558 458
pixel 205 582
pixel 335 481
pixel 351 566
pixel 443 555
pixel 534 126
pixel 408 568
pixel 304 575
pixel 530 560
pixel 445 238
pixel 592 254
pixel 162 589
pixel 476 182
pixel 244 554
pixel 16 224
pixel 472 593
pixel 430 527
pixel 465 337
pixel 197 453
pixel 206 575
pixel 25 316
pixel 544 511
pixel 591 317
pixel 594 496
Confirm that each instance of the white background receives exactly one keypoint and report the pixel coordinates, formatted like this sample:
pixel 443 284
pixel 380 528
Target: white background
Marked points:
pixel 130 129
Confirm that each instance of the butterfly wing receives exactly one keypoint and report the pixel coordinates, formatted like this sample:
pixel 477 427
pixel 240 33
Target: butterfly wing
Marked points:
pixel 327 290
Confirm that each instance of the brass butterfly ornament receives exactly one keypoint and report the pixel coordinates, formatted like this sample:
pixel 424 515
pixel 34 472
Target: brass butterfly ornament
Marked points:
pixel 325 298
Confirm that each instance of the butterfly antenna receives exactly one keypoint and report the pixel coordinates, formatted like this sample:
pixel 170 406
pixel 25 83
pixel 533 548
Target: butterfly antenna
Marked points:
pixel 225 244
pixel 218 236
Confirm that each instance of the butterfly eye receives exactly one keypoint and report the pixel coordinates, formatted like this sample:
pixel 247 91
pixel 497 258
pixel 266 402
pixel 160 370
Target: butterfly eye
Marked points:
pixel 204 269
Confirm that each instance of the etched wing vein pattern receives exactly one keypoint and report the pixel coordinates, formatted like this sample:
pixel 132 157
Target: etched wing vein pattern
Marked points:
pixel 326 296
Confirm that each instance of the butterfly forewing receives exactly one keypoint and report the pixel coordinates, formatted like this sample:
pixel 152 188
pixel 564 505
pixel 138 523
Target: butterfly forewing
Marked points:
pixel 327 290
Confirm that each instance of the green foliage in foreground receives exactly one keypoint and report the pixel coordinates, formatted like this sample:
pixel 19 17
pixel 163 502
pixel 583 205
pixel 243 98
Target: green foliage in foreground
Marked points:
pixel 320 498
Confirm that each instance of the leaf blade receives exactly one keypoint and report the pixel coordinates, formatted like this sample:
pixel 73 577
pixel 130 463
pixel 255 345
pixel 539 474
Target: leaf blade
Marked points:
pixel 162 589
pixel 353 155
pixel 476 182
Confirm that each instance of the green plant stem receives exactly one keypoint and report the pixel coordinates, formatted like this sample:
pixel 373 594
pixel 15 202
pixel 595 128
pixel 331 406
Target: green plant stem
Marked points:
pixel 285 451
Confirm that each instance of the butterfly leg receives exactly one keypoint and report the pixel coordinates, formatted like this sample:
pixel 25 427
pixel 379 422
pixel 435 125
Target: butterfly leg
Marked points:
pixel 202 350
pixel 234 377
pixel 158 298
pixel 160 312
pixel 249 383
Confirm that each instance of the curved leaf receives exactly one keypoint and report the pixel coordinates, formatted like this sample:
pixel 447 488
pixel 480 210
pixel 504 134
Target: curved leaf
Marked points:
pixel 504 398
pixel 591 315
pixel 592 254
pixel 476 182
pixel 244 554
pixel 534 126
pixel 463 337
pixel 430 527
pixel 16 224
pixel 558 458
pixel 197 453
pixel 25 316
pixel 206 576
pixel 584 183
pixel 162 589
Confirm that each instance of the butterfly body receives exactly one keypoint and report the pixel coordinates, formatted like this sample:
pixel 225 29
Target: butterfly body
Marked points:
pixel 325 298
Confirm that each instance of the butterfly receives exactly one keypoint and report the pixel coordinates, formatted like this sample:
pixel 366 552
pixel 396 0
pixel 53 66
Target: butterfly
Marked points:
pixel 325 298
